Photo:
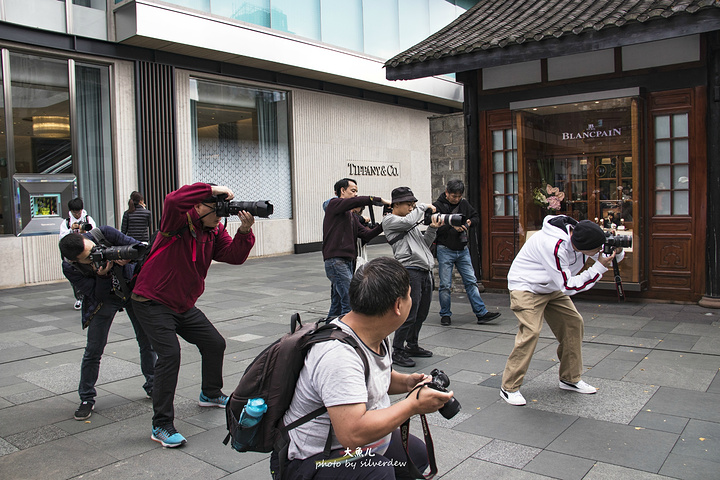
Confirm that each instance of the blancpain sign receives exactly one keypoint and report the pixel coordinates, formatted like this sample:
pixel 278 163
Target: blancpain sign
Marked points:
pixel 592 132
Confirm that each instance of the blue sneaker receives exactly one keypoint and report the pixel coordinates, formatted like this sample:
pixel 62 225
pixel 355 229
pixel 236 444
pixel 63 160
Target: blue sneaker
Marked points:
pixel 167 436
pixel 220 401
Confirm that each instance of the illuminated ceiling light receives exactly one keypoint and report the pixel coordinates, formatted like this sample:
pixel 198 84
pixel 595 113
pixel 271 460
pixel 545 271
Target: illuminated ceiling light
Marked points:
pixel 51 126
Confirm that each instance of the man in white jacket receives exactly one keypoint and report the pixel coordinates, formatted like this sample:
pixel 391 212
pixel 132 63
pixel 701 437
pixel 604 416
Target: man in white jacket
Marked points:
pixel 544 274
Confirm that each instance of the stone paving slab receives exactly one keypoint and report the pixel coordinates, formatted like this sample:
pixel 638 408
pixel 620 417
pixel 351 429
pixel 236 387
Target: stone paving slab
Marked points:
pixel 683 370
pixel 558 465
pixel 64 378
pixel 627 446
pixel 616 401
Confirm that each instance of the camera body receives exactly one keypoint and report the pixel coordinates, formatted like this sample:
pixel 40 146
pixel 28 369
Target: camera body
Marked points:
pixel 101 254
pixel 452 219
pixel 84 226
pixel 616 241
pixel 225 208
pixel 440 382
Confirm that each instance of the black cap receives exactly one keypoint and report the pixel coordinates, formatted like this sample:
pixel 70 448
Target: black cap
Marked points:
pixel 587 235
pixel 403 194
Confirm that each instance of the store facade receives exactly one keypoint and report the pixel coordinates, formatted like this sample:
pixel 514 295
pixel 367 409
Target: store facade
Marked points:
pixel 617 126
pixel 158 108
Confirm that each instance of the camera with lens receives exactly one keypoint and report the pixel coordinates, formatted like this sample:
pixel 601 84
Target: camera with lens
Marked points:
pixel 84 226
pixel 225 208
pixel 452 219
pixel 101 254
pixel 440 382
pixel 616 241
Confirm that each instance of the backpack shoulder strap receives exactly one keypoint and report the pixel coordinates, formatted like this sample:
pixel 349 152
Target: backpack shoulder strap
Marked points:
pixel 99 237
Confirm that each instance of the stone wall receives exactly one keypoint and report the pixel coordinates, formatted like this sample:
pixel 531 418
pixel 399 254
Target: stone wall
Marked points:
pixel 447 162
pixel 447 151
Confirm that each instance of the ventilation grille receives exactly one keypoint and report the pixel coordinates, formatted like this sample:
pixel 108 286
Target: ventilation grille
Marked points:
pixel 157 148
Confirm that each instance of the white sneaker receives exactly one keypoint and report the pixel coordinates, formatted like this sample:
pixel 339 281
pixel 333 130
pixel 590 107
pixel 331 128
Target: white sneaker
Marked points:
pixel 579 387
pixel 513 398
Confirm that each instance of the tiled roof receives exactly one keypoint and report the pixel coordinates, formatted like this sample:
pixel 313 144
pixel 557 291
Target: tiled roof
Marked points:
pixel 493 24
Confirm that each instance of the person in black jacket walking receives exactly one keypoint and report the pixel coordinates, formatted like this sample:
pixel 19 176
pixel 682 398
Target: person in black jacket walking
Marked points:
pixel 452 250
pixel 136 219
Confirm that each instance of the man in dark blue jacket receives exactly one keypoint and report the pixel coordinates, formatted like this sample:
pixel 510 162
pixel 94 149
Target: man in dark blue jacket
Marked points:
pixel 105 293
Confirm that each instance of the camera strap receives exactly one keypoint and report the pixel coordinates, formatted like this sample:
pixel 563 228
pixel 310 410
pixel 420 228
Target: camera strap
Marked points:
pixel 429 445
pixel 401 235
pixel 618 281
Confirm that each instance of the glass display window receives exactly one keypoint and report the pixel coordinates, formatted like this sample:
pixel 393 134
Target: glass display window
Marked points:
pixel 582 159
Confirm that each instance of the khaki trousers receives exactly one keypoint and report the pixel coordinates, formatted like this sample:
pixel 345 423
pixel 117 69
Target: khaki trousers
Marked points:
pixel 566 324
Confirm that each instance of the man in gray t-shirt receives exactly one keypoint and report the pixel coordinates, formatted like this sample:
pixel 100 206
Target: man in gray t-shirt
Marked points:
pixel 365 424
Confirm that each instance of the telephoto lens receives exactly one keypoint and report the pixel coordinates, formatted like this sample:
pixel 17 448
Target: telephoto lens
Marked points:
pixel 616 241
pixel 452 219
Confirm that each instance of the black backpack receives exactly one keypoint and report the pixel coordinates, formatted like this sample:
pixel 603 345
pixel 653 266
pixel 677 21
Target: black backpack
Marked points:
pixel 272 376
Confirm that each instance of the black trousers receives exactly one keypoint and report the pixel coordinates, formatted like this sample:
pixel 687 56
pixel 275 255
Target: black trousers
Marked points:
pixel 421 290
pixel 162 325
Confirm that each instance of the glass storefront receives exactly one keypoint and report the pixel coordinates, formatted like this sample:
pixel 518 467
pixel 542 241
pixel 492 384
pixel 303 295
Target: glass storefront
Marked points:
pixel 583 159
pixel 86 18
pixel 381 28
pixel 240 139
pixel 38 137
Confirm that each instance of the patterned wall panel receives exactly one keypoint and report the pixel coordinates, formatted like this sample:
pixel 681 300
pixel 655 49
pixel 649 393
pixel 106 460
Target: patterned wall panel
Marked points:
pixel 252 172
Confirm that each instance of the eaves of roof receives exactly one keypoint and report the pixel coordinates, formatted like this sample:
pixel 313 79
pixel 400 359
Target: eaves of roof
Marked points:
pixel 502 32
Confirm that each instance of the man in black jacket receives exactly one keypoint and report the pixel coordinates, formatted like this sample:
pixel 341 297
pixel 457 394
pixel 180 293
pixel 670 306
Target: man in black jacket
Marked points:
pixel 341 229
pixel 105 293
pixel 452 251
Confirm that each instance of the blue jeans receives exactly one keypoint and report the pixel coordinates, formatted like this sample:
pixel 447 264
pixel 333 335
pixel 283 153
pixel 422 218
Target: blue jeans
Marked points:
pixel 97 335
pixel 448 258
pixel 339 271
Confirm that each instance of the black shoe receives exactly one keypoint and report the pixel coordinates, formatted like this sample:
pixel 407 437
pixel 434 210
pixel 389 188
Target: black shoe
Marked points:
pixel 445 321
pixel 417 351
pixel 84 411
pixel 487 317
pixel 400 358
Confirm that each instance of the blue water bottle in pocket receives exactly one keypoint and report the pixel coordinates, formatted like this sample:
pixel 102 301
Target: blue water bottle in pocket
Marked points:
pixel 249 418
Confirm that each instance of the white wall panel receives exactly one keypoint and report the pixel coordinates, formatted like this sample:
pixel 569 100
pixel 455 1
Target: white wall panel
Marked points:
pixel 124 137
pixel 330 131
pixel 41 258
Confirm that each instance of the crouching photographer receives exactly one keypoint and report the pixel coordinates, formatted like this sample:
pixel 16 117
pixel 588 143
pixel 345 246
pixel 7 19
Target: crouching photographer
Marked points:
pixel 97 263
pixel 364 440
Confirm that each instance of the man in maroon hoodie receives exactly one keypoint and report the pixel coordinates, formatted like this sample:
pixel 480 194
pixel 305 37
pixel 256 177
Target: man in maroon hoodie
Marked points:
pixel 169 284
pixel 341 229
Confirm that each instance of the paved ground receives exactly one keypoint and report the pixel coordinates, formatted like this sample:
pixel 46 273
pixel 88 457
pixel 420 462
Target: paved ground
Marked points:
pixel 656 415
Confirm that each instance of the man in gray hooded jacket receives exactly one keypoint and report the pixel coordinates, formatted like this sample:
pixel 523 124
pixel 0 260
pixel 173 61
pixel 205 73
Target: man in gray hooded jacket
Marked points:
pixel 412 249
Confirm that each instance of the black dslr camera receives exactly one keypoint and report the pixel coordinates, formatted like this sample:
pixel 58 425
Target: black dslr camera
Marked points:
pixel 452 219
pixel 224 208
pixel 84 226
pixel 616 241
pixel 100 254
pixel 440 382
